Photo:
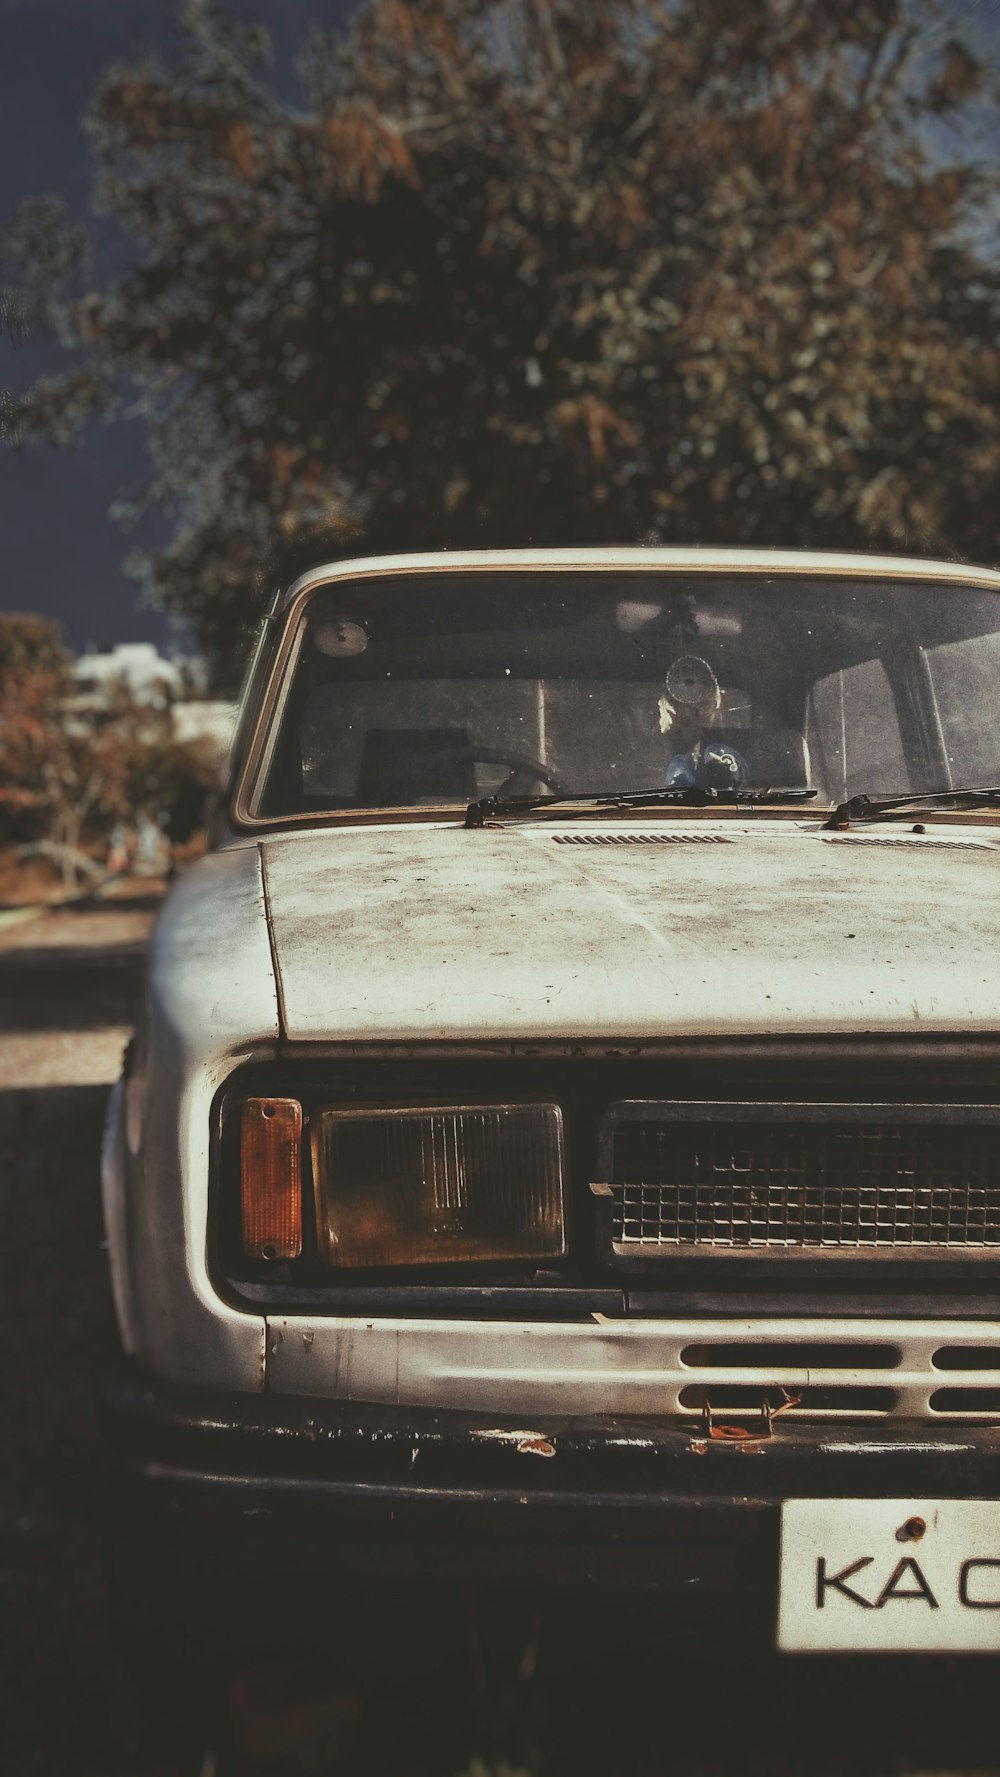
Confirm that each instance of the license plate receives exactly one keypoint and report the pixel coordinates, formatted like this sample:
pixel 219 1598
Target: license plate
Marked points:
pixel 889 1576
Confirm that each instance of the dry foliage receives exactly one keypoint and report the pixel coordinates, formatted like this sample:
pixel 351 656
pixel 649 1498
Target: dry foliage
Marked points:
pixel 68 773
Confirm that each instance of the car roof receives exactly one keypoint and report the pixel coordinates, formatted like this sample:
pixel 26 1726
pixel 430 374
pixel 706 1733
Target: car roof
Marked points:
pixel 691 560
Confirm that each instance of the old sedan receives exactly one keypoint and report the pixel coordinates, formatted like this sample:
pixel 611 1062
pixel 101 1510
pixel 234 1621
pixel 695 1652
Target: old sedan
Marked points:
pixel 562 1135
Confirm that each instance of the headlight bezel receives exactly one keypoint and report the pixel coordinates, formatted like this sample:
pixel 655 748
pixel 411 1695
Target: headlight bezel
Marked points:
pixel 372 1087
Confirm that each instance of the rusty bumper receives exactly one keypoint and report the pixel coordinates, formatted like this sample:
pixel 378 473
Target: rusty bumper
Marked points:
pixel 639 1505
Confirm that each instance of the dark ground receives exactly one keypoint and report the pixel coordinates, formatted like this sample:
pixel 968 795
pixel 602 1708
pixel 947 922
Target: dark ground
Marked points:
pixel 493 1689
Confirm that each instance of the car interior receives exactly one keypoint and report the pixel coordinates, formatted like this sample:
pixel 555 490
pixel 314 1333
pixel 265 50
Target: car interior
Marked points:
pixel 409 696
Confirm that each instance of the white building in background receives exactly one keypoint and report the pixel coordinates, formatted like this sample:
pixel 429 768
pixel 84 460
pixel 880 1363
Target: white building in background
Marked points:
pixel 140 669
pixel 154 682
pixel 205 719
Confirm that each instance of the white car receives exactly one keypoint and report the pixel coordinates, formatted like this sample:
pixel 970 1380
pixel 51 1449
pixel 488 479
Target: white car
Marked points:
pixel 563 1128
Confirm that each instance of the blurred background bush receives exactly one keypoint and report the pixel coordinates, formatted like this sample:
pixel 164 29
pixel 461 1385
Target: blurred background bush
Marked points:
pixel 100 773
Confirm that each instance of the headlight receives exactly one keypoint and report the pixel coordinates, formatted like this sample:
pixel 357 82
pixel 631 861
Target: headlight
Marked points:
pixel 439 1185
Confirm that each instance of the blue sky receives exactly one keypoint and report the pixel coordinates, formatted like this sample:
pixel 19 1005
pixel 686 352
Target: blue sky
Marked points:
pixel 62 553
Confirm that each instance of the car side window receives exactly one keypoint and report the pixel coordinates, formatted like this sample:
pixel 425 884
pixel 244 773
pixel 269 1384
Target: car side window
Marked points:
pixel 853 733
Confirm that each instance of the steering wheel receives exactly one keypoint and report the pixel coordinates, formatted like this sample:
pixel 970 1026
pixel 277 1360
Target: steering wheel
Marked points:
pixel 522 769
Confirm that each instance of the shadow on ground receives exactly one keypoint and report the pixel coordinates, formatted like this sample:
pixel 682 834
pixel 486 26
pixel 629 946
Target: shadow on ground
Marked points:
pixel 55 989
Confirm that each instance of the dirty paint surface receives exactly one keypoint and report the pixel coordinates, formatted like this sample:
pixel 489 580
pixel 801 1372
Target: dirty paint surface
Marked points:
pixel 424 933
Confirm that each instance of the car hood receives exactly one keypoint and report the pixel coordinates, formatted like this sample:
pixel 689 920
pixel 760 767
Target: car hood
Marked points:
pixel 436 933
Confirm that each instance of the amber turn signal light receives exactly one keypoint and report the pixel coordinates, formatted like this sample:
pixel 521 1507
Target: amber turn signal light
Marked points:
pixel 271 1177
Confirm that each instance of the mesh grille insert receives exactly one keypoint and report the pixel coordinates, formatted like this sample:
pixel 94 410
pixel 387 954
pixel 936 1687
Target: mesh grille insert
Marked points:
pixel 788 1185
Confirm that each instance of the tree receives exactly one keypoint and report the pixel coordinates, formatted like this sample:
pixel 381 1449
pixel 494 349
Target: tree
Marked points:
pixel 529 270
pixel 34 680
pixel 13 316
pixel 69 768
pixel 13 326
pixel 64 775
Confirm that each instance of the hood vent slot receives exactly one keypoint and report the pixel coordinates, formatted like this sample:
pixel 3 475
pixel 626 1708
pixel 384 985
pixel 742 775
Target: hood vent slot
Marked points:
pixel 906 840
pixel 642 839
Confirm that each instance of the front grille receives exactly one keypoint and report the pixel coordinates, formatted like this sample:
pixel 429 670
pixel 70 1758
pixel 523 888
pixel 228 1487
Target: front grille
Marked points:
pixel 798 1183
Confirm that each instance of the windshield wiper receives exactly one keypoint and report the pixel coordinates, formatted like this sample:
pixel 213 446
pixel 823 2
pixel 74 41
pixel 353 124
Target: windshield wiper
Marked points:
pixel 862 809
pixel 479 813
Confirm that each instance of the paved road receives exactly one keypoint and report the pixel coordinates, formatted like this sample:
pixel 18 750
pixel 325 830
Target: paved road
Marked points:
pixel 500 1692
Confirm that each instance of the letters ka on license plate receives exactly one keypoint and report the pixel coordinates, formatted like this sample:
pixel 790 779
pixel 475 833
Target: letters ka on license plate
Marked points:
pixel 889 1575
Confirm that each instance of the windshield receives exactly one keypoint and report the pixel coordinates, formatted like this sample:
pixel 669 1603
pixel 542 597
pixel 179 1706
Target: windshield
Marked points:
pixel 430 690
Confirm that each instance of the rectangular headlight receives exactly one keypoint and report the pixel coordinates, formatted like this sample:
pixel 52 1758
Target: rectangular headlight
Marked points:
pixel 441 1185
